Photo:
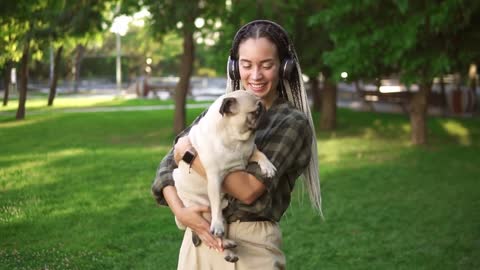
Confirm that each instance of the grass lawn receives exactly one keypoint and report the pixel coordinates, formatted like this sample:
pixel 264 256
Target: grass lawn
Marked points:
pixel 75 194
pixel 38 103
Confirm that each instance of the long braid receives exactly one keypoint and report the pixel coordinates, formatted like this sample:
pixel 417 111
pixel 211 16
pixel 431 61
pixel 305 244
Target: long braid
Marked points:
pixel 292 89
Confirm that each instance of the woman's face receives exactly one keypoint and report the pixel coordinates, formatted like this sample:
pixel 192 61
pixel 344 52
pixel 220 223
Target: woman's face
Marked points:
pixel 259 64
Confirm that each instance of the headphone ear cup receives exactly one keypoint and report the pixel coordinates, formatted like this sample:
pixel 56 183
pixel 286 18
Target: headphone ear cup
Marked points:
pixel 287 68
pixel 233 69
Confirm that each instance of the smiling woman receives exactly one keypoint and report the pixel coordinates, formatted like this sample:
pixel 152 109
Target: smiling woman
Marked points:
pixel 259 68
pixel 263 62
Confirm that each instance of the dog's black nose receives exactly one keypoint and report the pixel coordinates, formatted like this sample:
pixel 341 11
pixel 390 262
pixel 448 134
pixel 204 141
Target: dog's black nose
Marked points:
pixel 260 109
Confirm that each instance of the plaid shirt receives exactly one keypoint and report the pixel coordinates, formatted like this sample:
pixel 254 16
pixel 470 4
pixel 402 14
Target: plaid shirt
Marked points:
pixel 285 137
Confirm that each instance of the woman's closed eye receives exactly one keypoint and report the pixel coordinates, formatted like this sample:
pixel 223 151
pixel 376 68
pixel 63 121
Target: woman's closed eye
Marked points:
pixel 267 66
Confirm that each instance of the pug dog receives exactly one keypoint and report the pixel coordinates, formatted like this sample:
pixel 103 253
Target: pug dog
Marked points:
pixel 224 142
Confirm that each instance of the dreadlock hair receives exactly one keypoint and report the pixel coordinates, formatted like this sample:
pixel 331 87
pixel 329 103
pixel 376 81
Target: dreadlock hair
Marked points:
pixel 290 88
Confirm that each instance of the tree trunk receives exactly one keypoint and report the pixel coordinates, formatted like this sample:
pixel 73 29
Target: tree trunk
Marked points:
pixel 418 114
pixel 182 87
pixel 6 81
pixel 361 95
pixel 315 90
pixel 77 65
pixel 23 81
pixel 53 83
pixel 329 105
pixel 472 77
pixel 443 94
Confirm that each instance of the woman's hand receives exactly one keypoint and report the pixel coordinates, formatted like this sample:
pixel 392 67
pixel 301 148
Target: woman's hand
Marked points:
pixel 182 145
pixel 192 218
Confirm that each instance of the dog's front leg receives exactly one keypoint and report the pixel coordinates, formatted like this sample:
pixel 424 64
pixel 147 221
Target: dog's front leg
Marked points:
pixel 268 169
pixel 214 193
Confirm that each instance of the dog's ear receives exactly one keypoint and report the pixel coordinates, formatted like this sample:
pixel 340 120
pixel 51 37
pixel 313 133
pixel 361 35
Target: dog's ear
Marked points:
pixel 229 105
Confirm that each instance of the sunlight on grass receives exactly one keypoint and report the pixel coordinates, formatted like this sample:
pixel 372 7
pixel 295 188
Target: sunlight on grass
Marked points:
pixel 27 167
pixel 9 213
pixel 36 103
pixel 78 182
pixel 456 129
pixel 406 128
pixel 60 102
pixel 19 123
pixel 18 210
pixel 24 170
pixel 355 152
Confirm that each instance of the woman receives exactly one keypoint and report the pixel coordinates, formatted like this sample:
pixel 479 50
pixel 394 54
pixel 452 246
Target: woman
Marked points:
pixel 263 61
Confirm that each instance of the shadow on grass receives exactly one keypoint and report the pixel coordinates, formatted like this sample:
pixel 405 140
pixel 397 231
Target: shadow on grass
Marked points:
pixel 93 130
pixel 416 211
pixel 387 126
pixel 407 212
pixel 91 209
pixel 75 193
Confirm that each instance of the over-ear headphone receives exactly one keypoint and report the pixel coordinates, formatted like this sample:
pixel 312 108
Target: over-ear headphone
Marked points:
pixel 287 65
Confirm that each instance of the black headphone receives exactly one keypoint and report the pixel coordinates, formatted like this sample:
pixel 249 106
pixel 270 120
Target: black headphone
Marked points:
pixel 287 66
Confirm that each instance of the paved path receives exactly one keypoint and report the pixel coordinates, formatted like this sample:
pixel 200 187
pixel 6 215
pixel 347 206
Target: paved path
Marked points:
pixel 112 109
pixel 352 104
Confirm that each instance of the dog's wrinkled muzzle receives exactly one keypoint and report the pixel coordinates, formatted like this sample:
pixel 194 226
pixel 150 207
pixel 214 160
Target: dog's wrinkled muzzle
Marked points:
pixel 253 122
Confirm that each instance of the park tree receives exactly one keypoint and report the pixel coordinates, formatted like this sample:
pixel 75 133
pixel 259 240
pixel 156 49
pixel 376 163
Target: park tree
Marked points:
pixel 179 16
pixel 40 22
pixel 10 54
pixel 311 56
pixel 418 40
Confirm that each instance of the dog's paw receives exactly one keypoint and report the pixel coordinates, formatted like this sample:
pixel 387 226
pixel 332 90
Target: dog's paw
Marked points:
pixel 217 229
pixel 229 244
pixel 231 257
pixel 268 169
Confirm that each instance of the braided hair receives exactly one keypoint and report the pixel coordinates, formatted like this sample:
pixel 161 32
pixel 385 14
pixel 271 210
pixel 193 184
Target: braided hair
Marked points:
pixel 292 89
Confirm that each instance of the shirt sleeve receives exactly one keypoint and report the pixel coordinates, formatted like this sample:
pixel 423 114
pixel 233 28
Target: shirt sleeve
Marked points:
pixel 164 173
pixel 288 147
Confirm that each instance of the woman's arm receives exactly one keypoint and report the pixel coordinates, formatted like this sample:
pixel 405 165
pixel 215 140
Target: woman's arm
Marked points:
pixel 241 185
pixel 191 217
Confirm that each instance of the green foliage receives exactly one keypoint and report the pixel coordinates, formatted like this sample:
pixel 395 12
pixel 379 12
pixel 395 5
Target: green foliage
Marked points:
pixel 47 21
pixel 418 40
pixel 82 200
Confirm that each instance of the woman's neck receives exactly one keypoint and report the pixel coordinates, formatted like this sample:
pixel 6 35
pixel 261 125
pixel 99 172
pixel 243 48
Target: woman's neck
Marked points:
pixel 269 100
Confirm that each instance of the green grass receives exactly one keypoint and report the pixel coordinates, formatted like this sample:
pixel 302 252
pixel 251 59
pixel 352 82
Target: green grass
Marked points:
pixel 38 103
pixel 75 194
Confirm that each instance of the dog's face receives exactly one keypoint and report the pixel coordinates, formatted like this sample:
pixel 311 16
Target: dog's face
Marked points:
pixel 241 111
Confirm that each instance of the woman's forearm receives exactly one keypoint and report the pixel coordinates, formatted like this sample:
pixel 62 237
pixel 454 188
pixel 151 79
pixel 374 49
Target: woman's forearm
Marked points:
pixel 243 186
pixel 171 196
pixel 239 184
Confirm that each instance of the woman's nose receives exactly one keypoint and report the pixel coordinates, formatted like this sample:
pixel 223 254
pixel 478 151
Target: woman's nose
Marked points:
pixel 257 74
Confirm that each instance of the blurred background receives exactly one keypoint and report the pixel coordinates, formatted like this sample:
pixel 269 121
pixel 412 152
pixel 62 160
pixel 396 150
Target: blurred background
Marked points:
pixel 94 92
pixel 415 57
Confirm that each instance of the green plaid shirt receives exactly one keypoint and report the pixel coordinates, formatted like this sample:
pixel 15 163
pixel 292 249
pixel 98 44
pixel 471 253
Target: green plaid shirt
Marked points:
pixel 285 137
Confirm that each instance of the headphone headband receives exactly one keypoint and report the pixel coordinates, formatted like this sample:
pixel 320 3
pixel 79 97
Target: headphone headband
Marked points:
pixel 262 21
pixel 289 42
pixel 287 63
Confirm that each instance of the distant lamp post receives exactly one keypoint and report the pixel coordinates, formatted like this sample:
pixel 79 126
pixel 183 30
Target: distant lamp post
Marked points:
pixel 344 75
pixel 148 68
pixel 120 28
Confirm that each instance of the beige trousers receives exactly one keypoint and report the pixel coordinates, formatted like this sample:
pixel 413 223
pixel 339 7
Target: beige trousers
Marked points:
pixel 258 248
